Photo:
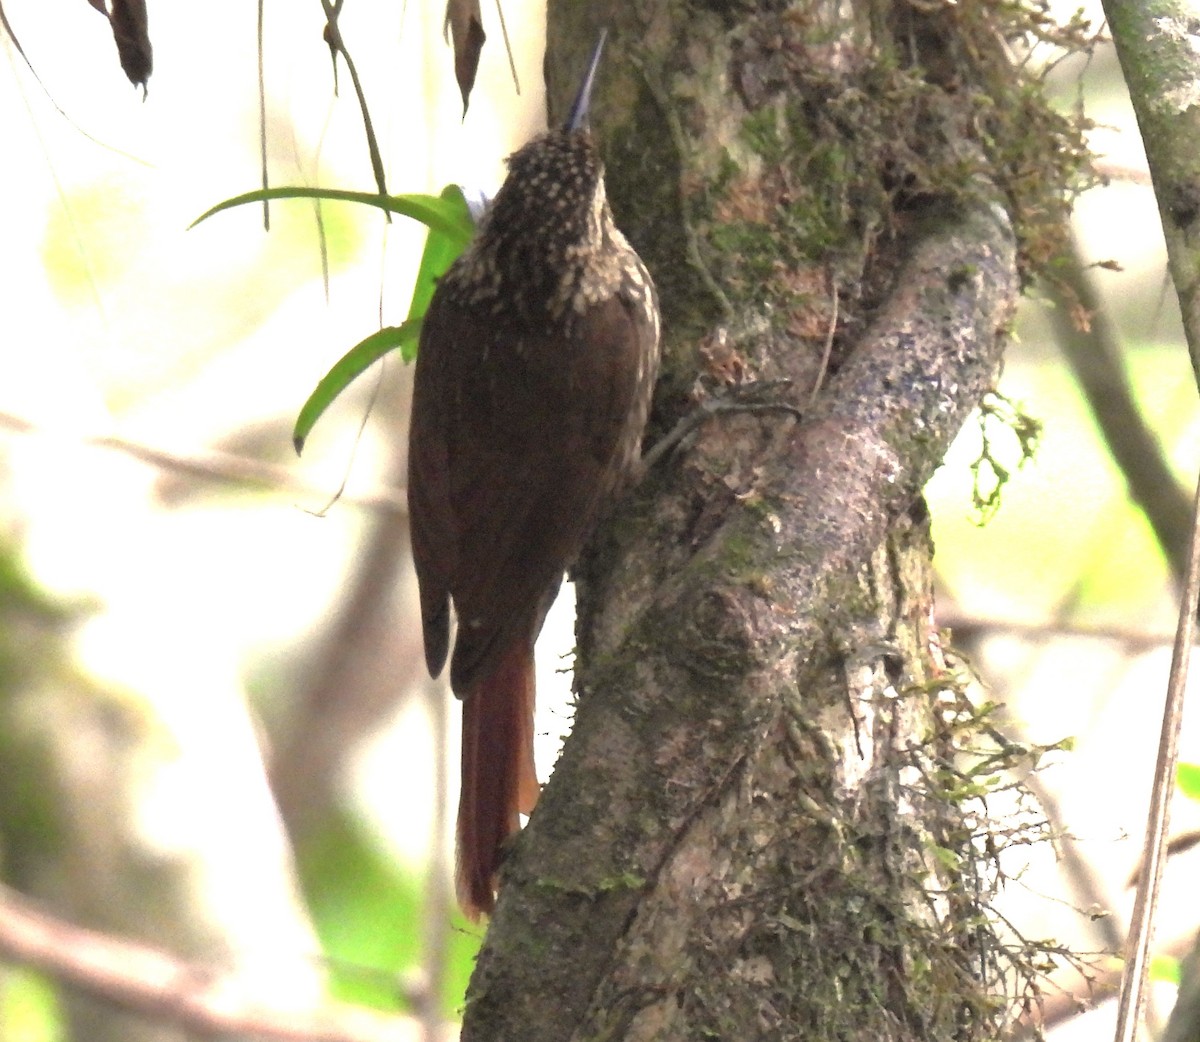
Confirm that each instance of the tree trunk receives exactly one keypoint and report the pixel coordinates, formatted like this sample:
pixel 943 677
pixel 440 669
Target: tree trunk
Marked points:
pixel 763 824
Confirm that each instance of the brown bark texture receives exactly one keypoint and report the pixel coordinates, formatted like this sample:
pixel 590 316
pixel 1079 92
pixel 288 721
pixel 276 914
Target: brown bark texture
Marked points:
pixel 751 832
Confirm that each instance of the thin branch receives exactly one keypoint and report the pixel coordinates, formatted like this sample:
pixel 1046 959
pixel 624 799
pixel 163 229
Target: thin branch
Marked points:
pixel 1154 853
pixel 224 467
pixel 1089 891
pixel 1098 986
pixel 970 627
pixel 157 984
pixel 512 62
pixel 1091 346
pixel 827 350
pixel 262 117
pixel 1134 175
pixel 439 897
pixel 1155 43
pixel 333 35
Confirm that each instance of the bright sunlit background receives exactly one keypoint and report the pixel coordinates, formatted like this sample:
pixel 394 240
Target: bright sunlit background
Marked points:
pixel 120 322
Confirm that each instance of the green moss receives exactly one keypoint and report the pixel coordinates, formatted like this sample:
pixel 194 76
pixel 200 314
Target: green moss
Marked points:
pixel 727 170
pixel 753 246
pixel 644 170
pixel 761 132
pixel 608 884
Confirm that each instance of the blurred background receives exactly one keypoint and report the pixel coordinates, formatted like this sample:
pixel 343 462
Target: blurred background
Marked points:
pixel 216 732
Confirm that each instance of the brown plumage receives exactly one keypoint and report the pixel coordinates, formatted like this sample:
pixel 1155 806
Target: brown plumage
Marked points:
pixel 536 365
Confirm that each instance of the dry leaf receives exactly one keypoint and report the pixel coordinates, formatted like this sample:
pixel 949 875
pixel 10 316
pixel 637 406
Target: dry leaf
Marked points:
pixel 465 25
pixel 130 30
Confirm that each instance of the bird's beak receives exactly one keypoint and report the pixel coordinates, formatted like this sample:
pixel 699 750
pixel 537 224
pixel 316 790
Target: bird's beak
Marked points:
pixel 577 120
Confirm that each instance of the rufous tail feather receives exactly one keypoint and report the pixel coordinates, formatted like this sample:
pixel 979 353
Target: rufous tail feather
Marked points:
pixel 498 777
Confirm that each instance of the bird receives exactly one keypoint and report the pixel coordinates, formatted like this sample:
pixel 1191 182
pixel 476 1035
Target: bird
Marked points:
pixel 534 376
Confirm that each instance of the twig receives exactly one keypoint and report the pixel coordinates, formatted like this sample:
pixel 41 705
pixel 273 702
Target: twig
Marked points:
pixel 224 467
pixel 828 348
pixel 1141 923
pixel 155 983
pixel 1089 890
pixel 512 62
pixel 1155 45
pixel 967 626
pixel 1134 175
pixel 1098 985
pixel 435 957
pixel 262 117
pixel 333 34
pixel 1094 355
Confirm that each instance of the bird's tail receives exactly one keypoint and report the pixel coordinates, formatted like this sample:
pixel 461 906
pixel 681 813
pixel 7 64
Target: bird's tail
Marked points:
pixel 498 777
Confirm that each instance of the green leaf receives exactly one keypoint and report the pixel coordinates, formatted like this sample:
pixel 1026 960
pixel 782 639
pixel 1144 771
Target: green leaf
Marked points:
pixel 370 912
pixel 441 250
pixel 948 858
pixel 29 1007
pixel 449 217
pixel 353 363
pixel 450 229
pixel 443 244
pixel 1165 968
pixel 1187 777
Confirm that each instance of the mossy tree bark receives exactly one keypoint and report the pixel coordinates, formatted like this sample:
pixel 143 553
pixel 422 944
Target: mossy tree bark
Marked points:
pixel 762 824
